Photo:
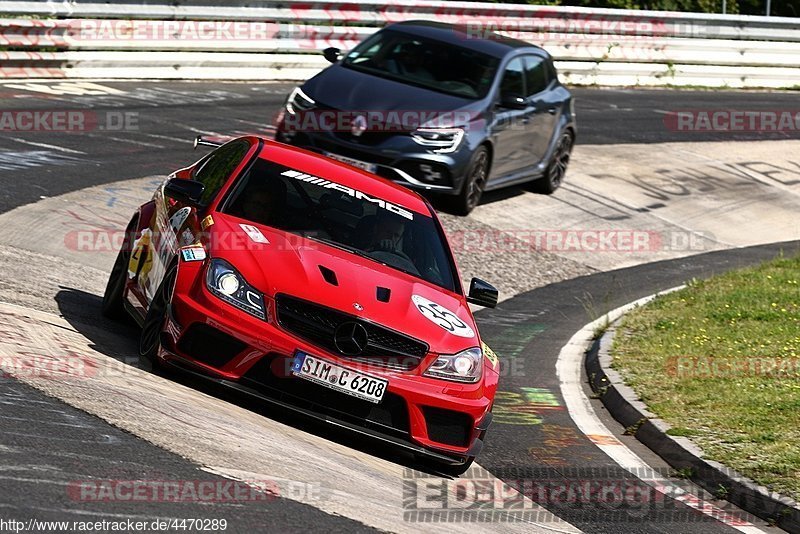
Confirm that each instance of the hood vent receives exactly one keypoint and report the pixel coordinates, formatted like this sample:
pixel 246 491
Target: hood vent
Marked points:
pixel 329 276
pixel 383 294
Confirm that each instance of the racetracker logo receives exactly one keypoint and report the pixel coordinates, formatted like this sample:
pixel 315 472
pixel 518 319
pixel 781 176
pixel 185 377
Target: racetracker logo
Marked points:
pixel 395 121
pixel 735 367
pixel 592 241
pixel 67 121
pixel 172 490
pixel 733 121
pixel 170 30
pixel 40 366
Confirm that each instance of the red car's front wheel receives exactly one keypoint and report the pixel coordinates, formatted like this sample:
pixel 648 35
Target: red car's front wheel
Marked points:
pixel 150 339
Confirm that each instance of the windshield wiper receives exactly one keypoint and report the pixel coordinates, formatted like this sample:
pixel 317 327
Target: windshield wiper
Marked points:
pixel 346 248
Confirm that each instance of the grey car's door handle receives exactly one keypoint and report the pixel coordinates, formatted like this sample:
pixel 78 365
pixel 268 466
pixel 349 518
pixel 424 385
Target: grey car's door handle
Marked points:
pixel 552 111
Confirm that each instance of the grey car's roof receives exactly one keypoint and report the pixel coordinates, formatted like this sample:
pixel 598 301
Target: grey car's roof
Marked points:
pixel 476 37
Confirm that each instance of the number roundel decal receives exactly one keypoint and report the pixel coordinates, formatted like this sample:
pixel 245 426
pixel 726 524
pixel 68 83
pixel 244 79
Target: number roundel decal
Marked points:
pixel 438 314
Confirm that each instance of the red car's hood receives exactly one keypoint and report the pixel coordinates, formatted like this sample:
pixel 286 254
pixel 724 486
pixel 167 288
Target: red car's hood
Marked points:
pixel 290 265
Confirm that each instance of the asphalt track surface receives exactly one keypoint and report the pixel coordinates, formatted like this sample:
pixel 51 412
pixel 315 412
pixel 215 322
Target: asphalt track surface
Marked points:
pixel 531 328
pixel 170 115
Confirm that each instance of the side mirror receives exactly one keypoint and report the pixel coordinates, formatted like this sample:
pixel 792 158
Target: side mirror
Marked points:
pixel 482 293
pixel 331 54
pixel 513 102
pixel 185 191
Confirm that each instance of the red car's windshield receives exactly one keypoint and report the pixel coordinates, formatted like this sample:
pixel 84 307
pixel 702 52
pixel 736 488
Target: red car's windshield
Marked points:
pixel 326 211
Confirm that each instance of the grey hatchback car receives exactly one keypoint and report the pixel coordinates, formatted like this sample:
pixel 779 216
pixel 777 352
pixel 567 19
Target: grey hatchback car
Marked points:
pixel 439 109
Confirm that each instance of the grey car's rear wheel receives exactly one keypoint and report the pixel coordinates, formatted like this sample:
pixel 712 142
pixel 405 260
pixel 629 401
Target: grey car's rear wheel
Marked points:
pixel 557 168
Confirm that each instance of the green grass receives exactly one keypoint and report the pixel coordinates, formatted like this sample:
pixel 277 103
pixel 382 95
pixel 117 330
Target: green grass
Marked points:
pixel 720 362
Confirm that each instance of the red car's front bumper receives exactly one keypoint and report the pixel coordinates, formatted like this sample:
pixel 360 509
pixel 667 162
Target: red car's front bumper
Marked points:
pixel 426 415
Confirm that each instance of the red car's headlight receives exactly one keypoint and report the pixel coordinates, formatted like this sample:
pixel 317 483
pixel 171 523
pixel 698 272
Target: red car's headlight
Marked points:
pixel 466 366
pixel 226 283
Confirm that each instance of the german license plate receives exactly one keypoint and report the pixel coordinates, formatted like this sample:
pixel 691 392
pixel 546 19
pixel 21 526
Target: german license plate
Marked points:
pixel 328 374
pixel 369 167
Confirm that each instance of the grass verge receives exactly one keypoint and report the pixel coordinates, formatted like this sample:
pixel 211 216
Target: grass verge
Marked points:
pixel 720 362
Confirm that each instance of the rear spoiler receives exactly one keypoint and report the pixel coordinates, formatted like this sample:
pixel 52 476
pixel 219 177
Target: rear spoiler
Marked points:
pixel 199 141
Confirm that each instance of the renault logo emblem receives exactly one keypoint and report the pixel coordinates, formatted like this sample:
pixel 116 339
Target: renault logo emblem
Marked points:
pixel 359 126
pixel 351 338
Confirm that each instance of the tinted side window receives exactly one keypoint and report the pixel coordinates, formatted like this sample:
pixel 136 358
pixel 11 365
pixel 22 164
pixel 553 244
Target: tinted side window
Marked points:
pixel 513 79
pixel 218 166
pixel 536 75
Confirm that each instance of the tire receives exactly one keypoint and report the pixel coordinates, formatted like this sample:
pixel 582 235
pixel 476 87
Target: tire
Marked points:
pixel 113 305
pixel 557 168
pixel 150 338
pixel 474 183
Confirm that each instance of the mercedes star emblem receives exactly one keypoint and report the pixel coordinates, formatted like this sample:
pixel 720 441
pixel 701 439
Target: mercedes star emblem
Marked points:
pixel 351 338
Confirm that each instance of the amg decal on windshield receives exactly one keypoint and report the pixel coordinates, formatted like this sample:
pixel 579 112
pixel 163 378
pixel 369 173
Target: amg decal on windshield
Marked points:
pixel 297 175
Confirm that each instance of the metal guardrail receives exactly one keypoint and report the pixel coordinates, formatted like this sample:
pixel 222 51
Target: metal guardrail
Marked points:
pixel 281 40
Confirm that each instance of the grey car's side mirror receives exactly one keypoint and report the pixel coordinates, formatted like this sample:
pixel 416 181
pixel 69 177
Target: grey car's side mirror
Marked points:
pixel 482 293
pixel 331 54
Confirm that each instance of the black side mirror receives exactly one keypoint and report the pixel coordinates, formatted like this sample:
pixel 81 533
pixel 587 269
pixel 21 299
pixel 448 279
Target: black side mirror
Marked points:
pixel 185 191
pixel 482 293
pixel 331 54
pixel 513 102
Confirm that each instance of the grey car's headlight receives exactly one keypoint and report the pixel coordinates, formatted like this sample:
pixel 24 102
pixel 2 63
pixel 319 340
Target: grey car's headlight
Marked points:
pixel 226 283
pixel 298 101
pixel 466 366
pixel 441 140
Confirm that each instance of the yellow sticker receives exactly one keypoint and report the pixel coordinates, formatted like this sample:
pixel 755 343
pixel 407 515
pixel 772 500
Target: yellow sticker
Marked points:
pixel 141 260
pixel 490 355
pixel 208 221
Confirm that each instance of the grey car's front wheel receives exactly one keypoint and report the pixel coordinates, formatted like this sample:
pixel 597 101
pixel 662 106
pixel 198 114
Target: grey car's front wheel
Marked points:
pixel 557 168
pixel 474 183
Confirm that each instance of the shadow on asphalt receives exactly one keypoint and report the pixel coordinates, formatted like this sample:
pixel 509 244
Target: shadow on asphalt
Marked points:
pixel 120 340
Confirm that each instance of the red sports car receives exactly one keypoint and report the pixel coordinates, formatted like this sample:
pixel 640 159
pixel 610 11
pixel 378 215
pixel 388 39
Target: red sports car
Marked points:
pixel 313 285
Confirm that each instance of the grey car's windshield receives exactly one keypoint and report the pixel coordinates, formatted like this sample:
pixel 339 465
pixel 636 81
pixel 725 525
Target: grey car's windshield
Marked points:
pixel 329 212
pixel 434 65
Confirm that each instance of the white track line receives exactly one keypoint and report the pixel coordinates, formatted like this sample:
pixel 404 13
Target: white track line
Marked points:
pixel 45 145
pixel 132 141
pixel 568 370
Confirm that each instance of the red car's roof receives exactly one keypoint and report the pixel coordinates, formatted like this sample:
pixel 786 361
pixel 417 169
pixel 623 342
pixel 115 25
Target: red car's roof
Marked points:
pixel 334 171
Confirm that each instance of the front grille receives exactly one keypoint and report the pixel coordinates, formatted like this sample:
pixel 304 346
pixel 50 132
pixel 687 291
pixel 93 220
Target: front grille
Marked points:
pixel 317 324
pixel 368 138
pixel 368 156
pixel 210 346
pixel 447 426
pixel 270 376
